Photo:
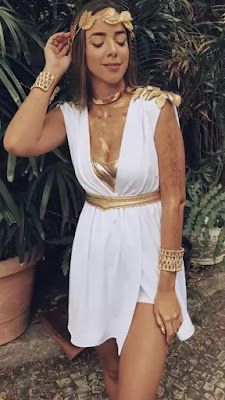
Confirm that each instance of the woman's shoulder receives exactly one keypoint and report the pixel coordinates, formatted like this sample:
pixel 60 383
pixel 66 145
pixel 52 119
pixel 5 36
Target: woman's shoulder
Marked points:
pixel 68 107
pixel 155 94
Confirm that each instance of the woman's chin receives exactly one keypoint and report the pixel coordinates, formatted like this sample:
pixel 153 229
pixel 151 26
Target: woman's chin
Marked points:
pixel 113 80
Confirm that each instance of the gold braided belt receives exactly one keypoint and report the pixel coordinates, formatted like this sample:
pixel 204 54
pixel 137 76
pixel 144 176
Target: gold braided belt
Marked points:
pixel 106 202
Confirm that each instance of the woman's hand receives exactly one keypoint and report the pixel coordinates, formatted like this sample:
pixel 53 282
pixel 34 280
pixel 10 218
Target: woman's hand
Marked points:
pixel 168 313
pixel 58 53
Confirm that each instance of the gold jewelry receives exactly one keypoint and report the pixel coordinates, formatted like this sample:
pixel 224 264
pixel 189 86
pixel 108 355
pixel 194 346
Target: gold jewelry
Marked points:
pixel 107 202
pixel 44 81
pixel 152 92
pixel 108 15
pixel 171 260
pixel 111 98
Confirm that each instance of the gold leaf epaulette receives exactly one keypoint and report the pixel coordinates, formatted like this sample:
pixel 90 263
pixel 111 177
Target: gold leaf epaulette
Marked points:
pixel 160 96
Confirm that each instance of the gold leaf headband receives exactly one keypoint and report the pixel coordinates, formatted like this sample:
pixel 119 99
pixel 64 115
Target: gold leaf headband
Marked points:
pixel 108 15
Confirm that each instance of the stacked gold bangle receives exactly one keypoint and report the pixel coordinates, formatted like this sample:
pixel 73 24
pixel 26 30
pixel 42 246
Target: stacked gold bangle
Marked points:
pixel 171 260
pixel 44 82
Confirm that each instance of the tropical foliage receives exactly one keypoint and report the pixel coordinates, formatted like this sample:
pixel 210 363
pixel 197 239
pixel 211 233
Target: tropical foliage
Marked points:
pixel 178 45
pixel 204 212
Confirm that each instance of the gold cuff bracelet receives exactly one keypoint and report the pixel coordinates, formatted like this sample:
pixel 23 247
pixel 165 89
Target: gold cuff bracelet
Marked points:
pixel 171 260
pixel 44 81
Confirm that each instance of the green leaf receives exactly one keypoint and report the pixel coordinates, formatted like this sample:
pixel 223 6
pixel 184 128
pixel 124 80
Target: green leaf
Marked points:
pixel 62 241
pixel 34 35
pixel 6 239
pixel 46 194
pixel 21 225
pixel 9 87
pixel 33 164
pixel 31 191
pixel 2 42
pixel 60 155
pixel 42 162
pixel 13 78
pixel 64 200
pixel 37 222
pixel 22 244
pixel 149 33
pixel 72 192
pixel 11 166
pixel 6 196
pixel 6 213
pixel 8 19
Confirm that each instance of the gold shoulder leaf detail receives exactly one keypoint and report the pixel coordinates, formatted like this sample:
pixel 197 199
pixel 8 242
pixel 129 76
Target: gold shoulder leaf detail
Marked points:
pixel 160 96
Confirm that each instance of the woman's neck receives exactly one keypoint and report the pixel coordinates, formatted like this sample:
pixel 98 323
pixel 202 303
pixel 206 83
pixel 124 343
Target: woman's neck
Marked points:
pixel 101 90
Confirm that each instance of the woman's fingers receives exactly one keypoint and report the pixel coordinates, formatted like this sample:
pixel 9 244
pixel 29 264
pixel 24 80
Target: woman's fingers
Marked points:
pixel 61 45
pixel 160 323
pixel 177 323
pixel 61 42
pixel 60 35
pixel 176 326
pixel 59 38
pixel 65 51
pixel 172 327
pixel 61 48
pixel 169 332
pixel 57 52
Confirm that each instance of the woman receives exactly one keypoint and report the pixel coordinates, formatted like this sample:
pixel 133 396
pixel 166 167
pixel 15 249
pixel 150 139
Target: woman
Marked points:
pixel 127 292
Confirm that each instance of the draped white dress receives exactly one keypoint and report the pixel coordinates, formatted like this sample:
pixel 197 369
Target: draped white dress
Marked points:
pixel 115 252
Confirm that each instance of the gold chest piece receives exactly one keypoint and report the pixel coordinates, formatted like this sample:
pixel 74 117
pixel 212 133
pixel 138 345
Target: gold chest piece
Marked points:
pixel 106 171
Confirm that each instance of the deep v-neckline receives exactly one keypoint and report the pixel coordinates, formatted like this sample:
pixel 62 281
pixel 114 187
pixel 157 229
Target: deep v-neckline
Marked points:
pixel 119 158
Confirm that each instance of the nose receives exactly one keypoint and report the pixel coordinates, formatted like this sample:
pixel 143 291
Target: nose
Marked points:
pixel 112 50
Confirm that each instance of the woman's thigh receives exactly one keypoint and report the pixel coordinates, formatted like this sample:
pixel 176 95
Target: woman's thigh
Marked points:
pixel 143 357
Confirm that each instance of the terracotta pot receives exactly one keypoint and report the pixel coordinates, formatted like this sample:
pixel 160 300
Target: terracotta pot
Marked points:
pixel 16 289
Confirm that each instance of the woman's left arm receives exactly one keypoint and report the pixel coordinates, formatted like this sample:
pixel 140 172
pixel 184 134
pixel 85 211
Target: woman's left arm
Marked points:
pixel 171 158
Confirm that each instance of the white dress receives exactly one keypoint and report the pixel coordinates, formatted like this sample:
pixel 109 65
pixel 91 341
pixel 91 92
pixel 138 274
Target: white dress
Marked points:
pixel 115 252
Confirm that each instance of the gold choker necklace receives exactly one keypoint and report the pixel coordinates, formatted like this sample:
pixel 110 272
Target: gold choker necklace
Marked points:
pixel 110 99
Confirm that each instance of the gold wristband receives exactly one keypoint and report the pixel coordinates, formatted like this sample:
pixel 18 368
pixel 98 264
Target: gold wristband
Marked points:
pixel 171 260
pixel 44 81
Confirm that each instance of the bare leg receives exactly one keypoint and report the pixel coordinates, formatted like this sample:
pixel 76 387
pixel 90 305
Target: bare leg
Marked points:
pixel 142 358
pixel 109 359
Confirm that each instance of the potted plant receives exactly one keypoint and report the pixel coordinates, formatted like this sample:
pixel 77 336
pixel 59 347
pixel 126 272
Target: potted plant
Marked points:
pixel 38 206
pixel 204 223
pixel 38 195
pixel 200 227
pixel 19 252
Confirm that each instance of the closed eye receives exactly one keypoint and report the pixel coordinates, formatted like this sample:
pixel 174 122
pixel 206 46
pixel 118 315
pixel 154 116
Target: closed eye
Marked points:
pixel 100 44
pixel 122 43
pixel 97 45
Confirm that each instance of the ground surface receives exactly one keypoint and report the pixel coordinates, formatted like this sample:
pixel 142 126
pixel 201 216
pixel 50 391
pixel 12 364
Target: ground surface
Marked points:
pixel 33 367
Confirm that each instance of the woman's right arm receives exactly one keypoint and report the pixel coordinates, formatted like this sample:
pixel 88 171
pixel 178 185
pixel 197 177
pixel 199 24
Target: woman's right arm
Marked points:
pixel 31 131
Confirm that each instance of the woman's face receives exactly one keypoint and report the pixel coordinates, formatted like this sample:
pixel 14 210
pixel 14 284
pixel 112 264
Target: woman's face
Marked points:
pixel 107 52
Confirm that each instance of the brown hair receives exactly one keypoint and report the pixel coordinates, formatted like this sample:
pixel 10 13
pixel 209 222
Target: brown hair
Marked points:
pixel 79 70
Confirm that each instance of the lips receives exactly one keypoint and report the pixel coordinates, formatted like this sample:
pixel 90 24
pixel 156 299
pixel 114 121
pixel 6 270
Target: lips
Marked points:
pixel 112 67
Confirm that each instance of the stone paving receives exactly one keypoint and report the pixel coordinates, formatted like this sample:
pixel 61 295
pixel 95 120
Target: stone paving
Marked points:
pixel 33 367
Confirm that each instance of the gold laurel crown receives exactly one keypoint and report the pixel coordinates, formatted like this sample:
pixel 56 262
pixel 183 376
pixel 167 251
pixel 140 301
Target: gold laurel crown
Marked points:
pixel 108 15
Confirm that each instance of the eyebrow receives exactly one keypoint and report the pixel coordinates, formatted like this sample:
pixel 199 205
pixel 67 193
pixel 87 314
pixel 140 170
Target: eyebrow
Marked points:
pixel 104 34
